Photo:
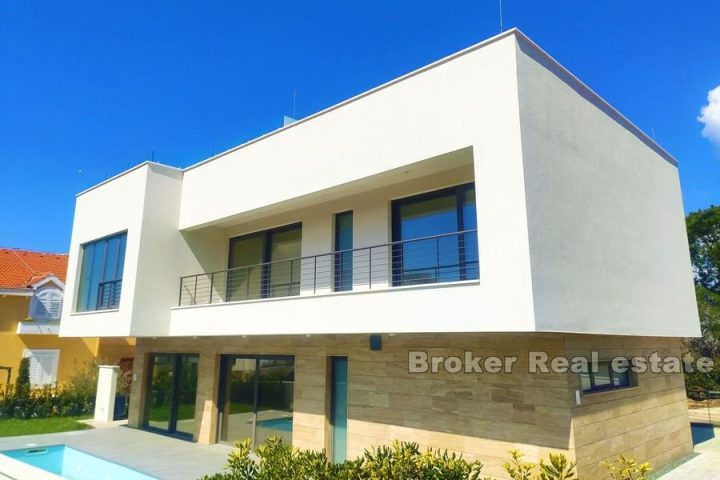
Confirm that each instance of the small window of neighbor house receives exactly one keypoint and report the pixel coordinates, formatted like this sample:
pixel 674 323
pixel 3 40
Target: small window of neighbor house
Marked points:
pixel 101 273
pixel 605 378
pixel 46 304
pixel 43 366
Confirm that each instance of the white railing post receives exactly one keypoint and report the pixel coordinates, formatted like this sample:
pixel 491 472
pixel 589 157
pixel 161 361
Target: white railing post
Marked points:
pixel 105 396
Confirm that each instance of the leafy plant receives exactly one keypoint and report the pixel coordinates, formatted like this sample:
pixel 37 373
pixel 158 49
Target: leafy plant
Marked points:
pixel 399 461
pixel 558 468
pixel 22 383
pixel 517 469
pixel 625 468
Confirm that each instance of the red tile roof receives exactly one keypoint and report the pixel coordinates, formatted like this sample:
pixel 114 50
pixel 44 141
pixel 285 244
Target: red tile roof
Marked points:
pixel 23 268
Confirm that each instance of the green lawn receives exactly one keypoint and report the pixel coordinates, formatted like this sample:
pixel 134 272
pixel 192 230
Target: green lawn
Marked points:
pixel 34 426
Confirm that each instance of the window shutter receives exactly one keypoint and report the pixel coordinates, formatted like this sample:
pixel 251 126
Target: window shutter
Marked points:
pixel 54 305
pixel 46 305
pixel 43 367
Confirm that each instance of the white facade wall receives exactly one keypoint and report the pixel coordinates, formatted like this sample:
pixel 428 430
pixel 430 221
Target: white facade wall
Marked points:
pixel 608 245
pixel 566 197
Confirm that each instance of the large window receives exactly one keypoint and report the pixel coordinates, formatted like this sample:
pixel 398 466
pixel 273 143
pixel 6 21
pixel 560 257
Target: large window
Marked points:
pixel 256 398
pixel 265 264
pixel 101 273
pixel 171 394
pixel 436 237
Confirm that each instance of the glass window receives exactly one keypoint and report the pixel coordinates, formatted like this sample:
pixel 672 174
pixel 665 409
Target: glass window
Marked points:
pixel 256 398
pixel 339 408
pixel 606 378
pixel 101 273
pixel 344 257
pixel 436 237
pixel 172 392
pixel 265 264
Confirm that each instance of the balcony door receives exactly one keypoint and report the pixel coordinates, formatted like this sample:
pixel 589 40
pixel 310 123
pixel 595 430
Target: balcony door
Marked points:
pixel 171 394
pixel 436 235
pixel 265 264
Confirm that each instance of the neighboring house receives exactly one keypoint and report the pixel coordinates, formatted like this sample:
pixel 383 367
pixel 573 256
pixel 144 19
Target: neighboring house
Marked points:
pixel 488 203
pixel 31 297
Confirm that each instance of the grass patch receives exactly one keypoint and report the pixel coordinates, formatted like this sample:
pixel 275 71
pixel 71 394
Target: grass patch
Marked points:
pixel 13 427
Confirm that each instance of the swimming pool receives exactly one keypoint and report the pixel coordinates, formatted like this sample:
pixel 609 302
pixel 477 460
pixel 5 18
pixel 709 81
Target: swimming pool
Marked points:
pixel 66 462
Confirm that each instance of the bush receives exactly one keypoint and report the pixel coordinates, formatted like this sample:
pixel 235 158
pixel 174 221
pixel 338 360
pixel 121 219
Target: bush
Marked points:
pixel 400 461
pixel 23 378
pixel 557 467
pixel 21 401
pixel 44 402
pixel 627 469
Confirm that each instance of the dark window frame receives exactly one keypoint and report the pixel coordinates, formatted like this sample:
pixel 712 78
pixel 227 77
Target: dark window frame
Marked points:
pixel 345 255
pixel 171 431
pixel 223 383
pixel 115 285
pixel 397 255
pixel 631 379
pixel 267 252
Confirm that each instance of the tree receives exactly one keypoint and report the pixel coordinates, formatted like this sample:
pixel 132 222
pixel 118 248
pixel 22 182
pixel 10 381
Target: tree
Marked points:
pixel 23 377
pixel 703 229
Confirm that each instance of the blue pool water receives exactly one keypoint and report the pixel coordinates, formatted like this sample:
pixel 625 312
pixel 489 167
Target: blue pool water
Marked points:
pixel 280 424
pixel 74 464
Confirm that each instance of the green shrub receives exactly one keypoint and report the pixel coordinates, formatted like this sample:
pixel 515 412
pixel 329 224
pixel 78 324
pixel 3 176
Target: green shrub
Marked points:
pixel 275 460
pixel 625 468
pixel 400 461
pixel 21 402
pixel 23 378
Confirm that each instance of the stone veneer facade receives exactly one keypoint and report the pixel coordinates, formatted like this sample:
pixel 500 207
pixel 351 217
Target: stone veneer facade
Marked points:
pixel 482 416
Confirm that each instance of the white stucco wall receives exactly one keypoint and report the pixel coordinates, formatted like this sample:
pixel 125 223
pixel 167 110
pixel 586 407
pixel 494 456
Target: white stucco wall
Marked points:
pixel 115 206
pixel 580 223
pixel 608 244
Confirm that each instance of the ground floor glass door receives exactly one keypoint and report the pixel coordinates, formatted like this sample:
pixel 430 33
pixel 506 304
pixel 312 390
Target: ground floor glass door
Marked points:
pixel 256 398
pixel 172 389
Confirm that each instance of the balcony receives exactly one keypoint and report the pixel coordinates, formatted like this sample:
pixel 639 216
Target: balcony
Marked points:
pixel 108 296
pixel 451 257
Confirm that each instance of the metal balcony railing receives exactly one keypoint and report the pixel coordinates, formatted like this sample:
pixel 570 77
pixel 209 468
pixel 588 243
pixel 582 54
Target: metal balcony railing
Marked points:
pixel 437 259
pixel 108 296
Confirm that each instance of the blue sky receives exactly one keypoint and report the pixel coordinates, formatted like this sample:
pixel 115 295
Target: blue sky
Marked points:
pixel 90 88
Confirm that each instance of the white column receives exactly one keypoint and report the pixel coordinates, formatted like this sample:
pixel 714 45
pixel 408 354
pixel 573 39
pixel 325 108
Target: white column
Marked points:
pixel 105 397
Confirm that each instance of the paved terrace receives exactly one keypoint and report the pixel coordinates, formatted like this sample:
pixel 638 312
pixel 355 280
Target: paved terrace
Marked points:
pixel 156 455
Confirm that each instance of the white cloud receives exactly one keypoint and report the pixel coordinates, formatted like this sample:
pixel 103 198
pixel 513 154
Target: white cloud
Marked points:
pixel 710 116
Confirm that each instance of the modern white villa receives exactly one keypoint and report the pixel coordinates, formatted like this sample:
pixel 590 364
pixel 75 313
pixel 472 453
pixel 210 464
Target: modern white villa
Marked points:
pixel 488 203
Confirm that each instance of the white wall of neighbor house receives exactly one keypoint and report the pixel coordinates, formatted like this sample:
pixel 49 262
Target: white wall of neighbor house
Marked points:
pixel 608 243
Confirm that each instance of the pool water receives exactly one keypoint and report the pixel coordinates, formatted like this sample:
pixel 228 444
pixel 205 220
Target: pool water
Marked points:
pixel 279 424
pixel 74 464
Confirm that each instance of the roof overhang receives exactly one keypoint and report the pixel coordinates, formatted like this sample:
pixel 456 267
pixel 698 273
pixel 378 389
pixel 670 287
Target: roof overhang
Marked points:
pixel 16 292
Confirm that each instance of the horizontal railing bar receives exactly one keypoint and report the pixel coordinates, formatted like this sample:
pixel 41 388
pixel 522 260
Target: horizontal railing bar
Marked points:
pixel 338 252
pixel 418 261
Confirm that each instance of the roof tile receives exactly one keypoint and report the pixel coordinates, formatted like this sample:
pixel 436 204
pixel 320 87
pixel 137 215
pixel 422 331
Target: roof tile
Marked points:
pixel 23 268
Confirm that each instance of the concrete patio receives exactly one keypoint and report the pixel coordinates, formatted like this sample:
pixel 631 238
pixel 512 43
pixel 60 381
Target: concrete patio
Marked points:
pixel 705 464
pixel 159 456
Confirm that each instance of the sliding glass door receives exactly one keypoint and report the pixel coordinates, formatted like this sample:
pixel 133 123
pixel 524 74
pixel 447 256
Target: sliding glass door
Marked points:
pixel 256 398
pixel 436 235
pixel 171 394
pixel 265 264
